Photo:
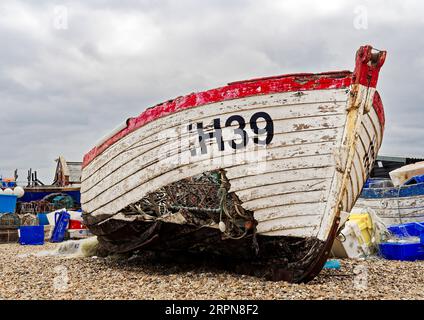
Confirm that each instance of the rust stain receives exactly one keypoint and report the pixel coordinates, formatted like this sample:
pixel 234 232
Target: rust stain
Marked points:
pixel 326 108
pixel 297 141
pixel 301 126
pixel 328 138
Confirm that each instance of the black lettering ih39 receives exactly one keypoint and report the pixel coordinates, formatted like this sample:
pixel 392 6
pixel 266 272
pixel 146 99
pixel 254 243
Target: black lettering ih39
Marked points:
pixel 216 134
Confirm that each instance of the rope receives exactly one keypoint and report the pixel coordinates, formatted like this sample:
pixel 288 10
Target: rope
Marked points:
pixel 223 193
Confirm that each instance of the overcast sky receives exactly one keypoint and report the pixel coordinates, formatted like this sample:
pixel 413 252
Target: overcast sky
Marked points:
pixel 71 71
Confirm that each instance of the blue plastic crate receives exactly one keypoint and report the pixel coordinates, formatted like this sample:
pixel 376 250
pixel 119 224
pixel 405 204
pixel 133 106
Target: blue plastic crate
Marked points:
pixel 413 229
pixel 31 235
pixel 7 203
pixel 402 251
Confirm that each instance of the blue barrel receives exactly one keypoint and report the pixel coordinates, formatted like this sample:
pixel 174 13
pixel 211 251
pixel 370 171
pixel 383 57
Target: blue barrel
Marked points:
pixel 61 224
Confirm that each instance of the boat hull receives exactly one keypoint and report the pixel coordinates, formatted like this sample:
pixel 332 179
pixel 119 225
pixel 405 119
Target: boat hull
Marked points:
pixel 395 205
pixel 39 193
pixel 290 154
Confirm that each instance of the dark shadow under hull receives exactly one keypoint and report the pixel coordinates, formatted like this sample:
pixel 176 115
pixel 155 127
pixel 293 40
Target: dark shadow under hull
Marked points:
pixel 274 258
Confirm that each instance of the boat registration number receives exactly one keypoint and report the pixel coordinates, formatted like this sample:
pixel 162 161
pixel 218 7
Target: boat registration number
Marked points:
pixel 261 131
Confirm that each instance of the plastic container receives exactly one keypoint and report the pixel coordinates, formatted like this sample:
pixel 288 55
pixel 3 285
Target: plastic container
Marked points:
pixel 355 240
pixel 42 218
pixel 75 224
pixel 61 224
pixel 413 229
pixel 31 235
pixel 7 203
pixel 402 251
pixel 363 221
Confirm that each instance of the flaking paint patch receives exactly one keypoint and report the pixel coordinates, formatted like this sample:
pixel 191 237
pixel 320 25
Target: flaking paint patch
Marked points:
pixel 327 109
pixel 302 126
pixel 328 138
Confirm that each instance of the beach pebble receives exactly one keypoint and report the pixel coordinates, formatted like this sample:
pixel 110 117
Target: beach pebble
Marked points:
pixel 24 275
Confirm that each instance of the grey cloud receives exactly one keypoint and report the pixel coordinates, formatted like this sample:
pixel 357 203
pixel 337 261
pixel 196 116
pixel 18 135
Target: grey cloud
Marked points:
pixel 61 90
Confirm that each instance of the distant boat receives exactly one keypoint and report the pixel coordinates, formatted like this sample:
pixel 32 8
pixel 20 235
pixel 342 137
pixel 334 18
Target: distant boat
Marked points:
pixel 397 200
pixel 43 193
pixel 259 170
pixel 66 183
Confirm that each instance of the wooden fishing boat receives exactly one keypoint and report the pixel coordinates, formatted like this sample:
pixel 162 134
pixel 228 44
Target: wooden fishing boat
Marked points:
pixel 258 171
pixel 395 204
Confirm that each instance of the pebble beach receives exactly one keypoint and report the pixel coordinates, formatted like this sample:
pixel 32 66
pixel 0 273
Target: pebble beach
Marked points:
pixel 26 276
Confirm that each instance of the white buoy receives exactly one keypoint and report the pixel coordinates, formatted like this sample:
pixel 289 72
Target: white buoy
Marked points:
pixel 19 192
pixel 222 226
pixel 8 191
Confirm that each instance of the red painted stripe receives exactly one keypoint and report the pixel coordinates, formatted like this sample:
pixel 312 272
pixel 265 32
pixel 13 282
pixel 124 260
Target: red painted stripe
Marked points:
pixel 378 107
pixel 236 90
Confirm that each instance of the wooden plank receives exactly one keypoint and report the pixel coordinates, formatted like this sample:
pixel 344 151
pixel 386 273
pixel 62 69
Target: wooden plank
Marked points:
pixel 306 208
pixel 357 181
pixel 387 203
pixel 349 193
pixel 396 212
pixel 282 189
pixel 392 205
pixel 372 123
pixel 287 199
pixel 300 232
pixel 277 226
pixel 272 178
pixel 274 165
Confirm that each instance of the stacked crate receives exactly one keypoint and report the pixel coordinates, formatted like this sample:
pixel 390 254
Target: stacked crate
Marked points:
pixel 9 221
